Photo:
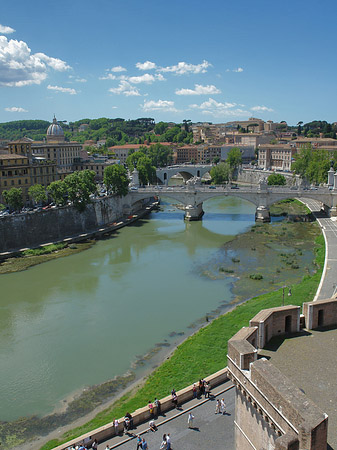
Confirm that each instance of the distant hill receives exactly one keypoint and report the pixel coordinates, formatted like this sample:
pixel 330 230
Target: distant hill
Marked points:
pixel 116 131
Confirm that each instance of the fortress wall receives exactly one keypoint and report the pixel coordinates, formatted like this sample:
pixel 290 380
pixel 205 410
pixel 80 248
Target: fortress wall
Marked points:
pixel 271 412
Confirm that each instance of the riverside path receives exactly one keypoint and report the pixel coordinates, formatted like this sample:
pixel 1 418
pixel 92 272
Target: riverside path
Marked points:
pixel 211 431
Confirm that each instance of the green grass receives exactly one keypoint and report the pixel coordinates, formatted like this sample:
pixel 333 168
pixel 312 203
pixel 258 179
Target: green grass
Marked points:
pixel 201 354
pixel 44 250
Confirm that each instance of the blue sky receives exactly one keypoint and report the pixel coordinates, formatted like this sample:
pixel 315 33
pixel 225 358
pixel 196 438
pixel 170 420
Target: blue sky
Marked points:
pixel 210 61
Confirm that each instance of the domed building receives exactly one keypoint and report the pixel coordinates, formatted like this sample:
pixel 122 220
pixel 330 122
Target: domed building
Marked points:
pixel 55 148
pixel 55 132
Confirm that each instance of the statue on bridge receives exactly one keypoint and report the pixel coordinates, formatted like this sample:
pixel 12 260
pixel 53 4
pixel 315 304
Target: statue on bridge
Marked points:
pixel 194 181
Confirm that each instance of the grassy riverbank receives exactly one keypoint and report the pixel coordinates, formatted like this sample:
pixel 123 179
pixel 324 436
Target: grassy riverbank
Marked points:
pixel 32 257
pixel 191 360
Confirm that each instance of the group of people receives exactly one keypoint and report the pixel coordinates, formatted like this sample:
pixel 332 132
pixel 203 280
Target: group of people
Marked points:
pixel 203 388
pixel 220 407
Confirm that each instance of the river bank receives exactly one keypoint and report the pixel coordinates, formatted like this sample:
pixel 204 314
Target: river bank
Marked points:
pixel 158 353
pixel 16 261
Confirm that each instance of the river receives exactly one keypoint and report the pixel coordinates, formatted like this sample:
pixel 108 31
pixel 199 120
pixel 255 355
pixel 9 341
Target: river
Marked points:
pixel 81 320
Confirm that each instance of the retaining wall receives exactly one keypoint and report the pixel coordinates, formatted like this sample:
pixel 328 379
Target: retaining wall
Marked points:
pixel 32 229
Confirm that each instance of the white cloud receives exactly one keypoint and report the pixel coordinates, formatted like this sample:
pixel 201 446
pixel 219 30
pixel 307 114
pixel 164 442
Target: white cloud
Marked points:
pixel 238 70
pixel 114 107
pixel 261 109
pixel 199 90
pixel 19 67
pixel 218 109
pixel 54 63
pixel 16 109
pixel 118 69
pixel 70 91
pixel 146 78
pixel 183 68
pixel 125 88
pixel 81 80
pixel 109 76
pixel 6 30
pixel 160 105
pixel 147 65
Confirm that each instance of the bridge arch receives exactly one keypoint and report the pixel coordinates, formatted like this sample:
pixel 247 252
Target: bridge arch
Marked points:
pixel 187 171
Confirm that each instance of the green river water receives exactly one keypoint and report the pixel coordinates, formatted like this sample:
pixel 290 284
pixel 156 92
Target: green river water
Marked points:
pixel 81 320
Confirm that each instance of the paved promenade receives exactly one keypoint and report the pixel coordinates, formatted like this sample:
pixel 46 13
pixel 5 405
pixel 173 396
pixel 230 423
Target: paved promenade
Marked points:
pixel 328 284
pixel 211 431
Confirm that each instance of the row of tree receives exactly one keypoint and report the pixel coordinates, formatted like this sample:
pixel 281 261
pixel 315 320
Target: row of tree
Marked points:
pixel 313 164
pixel 225 171
pixel 116 131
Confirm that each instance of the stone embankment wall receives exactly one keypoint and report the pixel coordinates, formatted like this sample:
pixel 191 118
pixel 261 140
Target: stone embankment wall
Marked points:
pixel 253 176
pixel 33 229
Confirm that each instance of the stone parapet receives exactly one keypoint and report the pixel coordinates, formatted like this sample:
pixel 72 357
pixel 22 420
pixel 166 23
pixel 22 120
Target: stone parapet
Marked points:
pixel 142 415
pixel 320 313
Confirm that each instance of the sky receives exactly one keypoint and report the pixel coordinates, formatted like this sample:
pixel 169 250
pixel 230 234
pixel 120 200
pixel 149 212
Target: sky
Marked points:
pixel 213 61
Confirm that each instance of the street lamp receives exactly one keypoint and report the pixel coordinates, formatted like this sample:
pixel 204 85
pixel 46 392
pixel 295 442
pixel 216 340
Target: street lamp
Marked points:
pixel 289 293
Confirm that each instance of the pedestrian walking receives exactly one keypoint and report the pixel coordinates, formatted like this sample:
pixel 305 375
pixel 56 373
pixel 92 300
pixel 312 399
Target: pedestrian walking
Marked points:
pixel 139 442
pixel 116 425
pixel 163 444
pixel 174 398
pixel 217 407
pixel 201 387
pixel 168 441
pixel 144 444
pixel 195 392
pixel 207 390
pixel 94 445
pixel 190 420
pixel 158 406
pixel 223 406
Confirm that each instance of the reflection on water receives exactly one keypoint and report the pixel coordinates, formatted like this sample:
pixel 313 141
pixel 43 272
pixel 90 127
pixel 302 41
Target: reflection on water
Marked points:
pixel 81 320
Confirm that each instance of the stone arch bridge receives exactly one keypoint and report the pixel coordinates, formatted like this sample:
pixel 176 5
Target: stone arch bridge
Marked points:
pixel 263 196
pixel 187 171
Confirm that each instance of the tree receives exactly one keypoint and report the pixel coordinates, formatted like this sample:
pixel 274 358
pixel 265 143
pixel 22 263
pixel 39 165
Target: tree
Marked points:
pixel 57 190
pixel 276 179
pixel 234 158
pixel 13 198
pixel 187 124
pixel 216 160
pixel 146 171
pixel 116 179
pixel 220 173
pixel 132 159
pixel 79 186
pixel 313 164
pixel 160 155
pixel 38 193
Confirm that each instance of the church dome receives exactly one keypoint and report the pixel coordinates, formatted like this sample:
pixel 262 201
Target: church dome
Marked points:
pixel 54 129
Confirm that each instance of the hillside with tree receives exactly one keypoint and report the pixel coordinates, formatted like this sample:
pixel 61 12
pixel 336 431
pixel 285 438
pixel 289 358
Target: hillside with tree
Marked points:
pixel 115 131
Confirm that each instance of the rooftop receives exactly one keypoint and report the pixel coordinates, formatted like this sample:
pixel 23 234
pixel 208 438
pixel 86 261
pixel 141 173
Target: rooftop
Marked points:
pixel 309 361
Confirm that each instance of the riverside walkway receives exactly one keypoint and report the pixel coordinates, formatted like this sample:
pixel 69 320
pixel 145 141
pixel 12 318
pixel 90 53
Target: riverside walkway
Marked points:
pixel 210 430
pixel 328 285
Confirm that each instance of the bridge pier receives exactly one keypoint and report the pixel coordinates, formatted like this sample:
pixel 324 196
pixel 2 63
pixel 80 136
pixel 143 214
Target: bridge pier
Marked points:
pixel 193 212
pixel 262 214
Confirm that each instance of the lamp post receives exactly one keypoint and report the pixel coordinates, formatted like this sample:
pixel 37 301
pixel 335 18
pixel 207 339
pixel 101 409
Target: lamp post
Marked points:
pixel 289 293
